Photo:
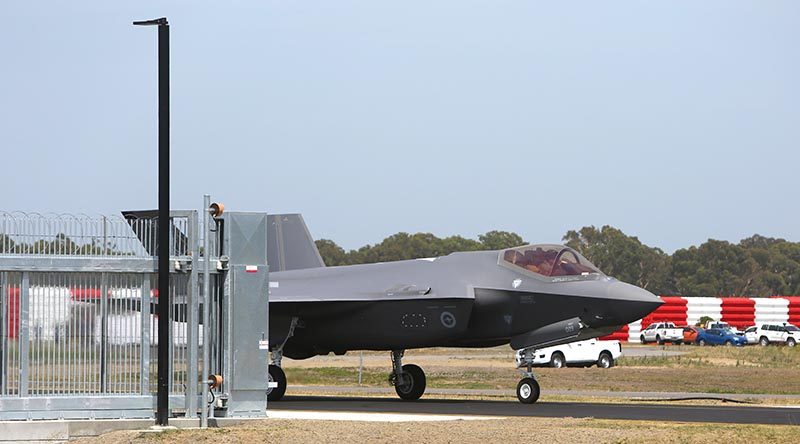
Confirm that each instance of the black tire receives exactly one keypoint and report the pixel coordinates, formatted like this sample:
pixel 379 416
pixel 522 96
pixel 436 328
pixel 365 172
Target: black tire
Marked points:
pixel 413 383
pixel 641 339
pixel 528 391
pixel 276 374
pixel 791 342
pixel 763 341
pixel 678 342
pixel 658 340
pixel 558 360
pixel 701 342
pixel 605 360
pixel 728 343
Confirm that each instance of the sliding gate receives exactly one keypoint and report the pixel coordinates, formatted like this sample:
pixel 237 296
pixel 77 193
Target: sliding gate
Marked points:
pixel 78 315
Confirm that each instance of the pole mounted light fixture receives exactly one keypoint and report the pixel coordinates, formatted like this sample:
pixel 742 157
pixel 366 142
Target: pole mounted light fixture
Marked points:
pixel 153 22
pixel 163 232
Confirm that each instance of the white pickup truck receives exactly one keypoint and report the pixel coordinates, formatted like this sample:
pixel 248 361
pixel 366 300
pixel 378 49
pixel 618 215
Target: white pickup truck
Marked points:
pixel 661 332
pixel 574 354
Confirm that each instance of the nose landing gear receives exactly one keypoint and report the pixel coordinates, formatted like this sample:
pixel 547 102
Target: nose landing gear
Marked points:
pixel 528 389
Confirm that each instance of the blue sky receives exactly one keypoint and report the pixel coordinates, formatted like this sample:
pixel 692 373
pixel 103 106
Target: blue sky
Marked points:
pixel 673 121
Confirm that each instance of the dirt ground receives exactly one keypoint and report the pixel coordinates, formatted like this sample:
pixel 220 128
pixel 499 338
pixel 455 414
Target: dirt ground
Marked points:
pixel 511 430
pixel 770 370
pixel 715 370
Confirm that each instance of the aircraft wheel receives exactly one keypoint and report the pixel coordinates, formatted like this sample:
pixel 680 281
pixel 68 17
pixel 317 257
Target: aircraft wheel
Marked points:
pixel 557 360
pixel 276 374
pixel 528 391
pixel 413 383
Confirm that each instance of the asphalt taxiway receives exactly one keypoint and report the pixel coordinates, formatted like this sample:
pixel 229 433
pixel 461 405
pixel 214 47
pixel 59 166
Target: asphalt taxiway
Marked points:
pixel 737 414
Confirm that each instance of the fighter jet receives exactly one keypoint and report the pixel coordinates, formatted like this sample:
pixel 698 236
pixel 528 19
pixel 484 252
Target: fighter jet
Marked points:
pixel 529 297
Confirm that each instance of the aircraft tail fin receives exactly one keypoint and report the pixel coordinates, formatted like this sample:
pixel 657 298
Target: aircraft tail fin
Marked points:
pixel 290 245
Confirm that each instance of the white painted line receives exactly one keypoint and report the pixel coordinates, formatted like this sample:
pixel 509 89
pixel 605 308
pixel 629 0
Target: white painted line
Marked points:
pixel 371 417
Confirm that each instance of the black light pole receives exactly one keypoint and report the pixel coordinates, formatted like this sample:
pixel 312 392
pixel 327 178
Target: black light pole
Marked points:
pixel 164 302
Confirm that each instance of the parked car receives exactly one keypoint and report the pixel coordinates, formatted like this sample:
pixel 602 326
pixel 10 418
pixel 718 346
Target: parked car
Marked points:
pixel 718 336
pixel 778 333
pixel 576 354
pixel 690 334
pixel 723 326
pixel 751 334
pixel 661 332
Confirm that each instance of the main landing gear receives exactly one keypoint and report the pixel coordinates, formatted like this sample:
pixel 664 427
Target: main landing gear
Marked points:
pixel 528 389
pixel 276 379
pixel 408 380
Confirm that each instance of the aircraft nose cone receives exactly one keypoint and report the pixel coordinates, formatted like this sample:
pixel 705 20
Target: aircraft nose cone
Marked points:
pixel 631 303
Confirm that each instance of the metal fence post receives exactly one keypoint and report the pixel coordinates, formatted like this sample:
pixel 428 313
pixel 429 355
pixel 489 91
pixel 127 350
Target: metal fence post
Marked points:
pixel 192 326
pixel 24 333
pixel 144 367
pixel 103 332
pixel 206 308
pixel 3 334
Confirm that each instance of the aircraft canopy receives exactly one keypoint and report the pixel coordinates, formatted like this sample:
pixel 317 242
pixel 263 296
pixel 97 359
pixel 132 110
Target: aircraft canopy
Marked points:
pixel 549 260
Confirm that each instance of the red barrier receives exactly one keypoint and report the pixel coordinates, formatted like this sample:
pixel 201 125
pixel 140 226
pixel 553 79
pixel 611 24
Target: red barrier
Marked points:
pixel 673 310
pixel 84 294
pixel 739 312
pixel 794 308
pixel 619 335
pixel 12 313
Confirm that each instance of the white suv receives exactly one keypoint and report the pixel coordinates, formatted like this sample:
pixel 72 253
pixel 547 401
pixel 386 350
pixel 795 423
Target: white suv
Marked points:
pixel 778 333
pixel 574 354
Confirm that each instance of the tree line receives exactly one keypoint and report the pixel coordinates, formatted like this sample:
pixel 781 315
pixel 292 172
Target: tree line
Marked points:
pixel 756 266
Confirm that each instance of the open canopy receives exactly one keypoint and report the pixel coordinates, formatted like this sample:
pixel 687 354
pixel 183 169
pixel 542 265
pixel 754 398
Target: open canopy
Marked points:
pixel 549 260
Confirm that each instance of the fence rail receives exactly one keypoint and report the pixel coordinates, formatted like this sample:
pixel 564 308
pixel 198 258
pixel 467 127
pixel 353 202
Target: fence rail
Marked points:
pixel 79 235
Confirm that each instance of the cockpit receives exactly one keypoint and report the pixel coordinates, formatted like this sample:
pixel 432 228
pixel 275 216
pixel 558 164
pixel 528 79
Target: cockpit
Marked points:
pixel 549 260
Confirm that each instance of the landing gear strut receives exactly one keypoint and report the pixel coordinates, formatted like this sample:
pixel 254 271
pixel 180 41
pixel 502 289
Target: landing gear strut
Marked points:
pixel 408 380
pixel 528 389
pixel 276 379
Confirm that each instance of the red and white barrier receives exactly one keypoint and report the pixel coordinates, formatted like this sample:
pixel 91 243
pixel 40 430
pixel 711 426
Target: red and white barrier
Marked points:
pixel 771 310
pixel 737 311
pixel 51 308
pixel 794 308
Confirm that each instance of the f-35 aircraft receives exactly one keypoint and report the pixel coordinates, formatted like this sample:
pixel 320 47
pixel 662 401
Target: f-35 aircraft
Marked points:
pixel 529 297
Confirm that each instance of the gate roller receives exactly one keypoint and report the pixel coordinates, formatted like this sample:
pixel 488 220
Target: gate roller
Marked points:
pixel 216 209
pixel 214 381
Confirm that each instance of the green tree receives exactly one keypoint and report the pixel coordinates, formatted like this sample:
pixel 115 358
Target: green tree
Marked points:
pixel 715 268
pixel 7 244
pixel 499 240
pixel 331 253
pixel 624 257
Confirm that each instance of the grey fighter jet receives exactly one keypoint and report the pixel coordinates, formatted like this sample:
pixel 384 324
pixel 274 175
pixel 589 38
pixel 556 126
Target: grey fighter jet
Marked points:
pixel 529 297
